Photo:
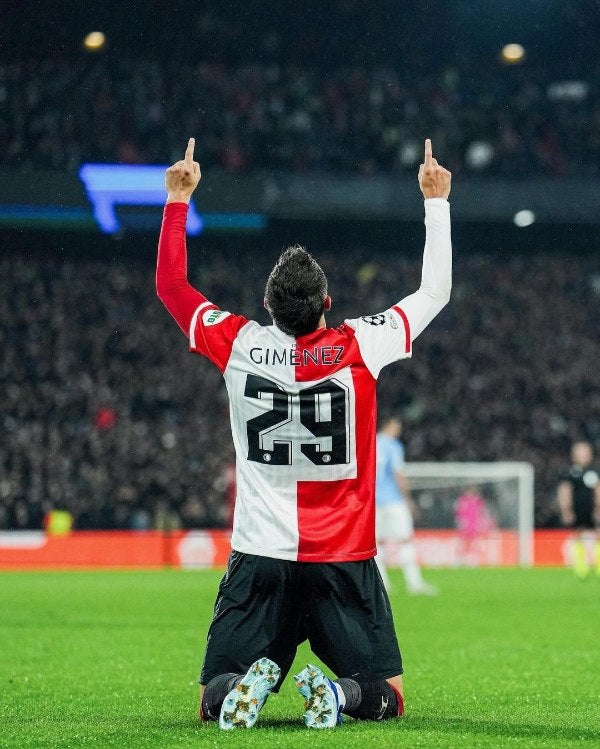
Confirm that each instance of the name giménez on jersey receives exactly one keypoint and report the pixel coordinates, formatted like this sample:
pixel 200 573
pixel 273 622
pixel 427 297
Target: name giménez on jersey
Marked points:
pixel 291 356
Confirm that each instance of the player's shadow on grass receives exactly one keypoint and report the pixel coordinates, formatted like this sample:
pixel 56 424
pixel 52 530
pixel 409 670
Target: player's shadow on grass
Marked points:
pixel 489 728
pixel 498 728
pixel 264 723
pixel 286 723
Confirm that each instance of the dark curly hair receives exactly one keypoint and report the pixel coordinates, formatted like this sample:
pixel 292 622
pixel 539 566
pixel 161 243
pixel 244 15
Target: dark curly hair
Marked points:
pixel 295 292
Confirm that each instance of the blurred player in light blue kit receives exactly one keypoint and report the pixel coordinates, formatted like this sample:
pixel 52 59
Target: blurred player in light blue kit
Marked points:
pixel 395 508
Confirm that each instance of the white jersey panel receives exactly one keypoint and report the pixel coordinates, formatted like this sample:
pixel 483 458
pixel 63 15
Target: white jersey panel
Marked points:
pixel 264 522
pixel 382 338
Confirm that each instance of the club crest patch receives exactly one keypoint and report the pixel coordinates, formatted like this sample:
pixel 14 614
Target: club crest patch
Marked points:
pixel 214 316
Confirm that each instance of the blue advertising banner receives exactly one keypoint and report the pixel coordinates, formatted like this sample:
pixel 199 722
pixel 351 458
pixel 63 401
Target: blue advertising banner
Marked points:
pixel 118 198
pixel 110 198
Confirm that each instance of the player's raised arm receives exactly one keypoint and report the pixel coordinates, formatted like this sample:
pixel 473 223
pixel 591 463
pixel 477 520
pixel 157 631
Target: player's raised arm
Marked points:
pixel 210 331
pixel 388 337
pixel 436 279
pixel 172 285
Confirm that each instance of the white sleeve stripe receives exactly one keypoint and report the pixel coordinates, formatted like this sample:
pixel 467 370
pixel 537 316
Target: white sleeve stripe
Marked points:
pixel 195 320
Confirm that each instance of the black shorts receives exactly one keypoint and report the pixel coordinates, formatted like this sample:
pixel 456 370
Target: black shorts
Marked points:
pixel 266 607
pixel 584 518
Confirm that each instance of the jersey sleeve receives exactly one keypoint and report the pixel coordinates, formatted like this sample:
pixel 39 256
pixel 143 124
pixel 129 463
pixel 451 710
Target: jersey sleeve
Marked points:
pixel 172 285
pixel 213 331
pixel 388 336
pixel 382 338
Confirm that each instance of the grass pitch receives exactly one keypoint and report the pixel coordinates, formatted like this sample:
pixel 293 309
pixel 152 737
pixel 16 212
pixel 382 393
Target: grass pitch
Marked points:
pixel 501 658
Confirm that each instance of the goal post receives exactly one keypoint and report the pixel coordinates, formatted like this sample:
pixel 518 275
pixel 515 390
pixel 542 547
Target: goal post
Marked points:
pixel 482 513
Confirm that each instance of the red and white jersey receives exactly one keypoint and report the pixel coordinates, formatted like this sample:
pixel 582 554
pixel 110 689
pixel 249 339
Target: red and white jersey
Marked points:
pixel 303 420
pixel 303 410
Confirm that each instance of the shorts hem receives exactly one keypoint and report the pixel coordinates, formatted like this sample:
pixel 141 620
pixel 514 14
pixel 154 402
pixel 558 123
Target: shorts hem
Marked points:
pixel 335 559
pixel 306 557
pixel 391 674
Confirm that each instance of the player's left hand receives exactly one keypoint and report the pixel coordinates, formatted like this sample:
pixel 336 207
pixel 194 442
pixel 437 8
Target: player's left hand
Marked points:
pixel 434 179
pixel 182 178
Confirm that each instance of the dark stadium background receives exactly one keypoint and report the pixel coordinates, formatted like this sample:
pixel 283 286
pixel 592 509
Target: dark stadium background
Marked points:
pixel 103 412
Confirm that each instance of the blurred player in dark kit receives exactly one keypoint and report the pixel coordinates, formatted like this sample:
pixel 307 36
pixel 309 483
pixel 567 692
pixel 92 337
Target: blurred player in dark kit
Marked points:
pixel 303 420
pixel 578 497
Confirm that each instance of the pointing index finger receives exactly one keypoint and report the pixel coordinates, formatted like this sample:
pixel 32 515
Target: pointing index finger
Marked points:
pixel 189 151
pixel 428 152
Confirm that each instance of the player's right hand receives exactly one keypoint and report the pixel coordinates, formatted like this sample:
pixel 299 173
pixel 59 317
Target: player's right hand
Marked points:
pixel 434 180
pixel 182 178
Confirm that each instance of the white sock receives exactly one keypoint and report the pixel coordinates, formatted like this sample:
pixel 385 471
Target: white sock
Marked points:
pixel 379 559
pixel 340 694
pixel 412 571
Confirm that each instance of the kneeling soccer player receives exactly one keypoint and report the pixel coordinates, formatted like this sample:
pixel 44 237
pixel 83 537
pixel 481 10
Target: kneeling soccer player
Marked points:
pixel 303 419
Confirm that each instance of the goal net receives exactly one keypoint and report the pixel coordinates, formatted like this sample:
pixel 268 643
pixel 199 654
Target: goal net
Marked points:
pixel 472 514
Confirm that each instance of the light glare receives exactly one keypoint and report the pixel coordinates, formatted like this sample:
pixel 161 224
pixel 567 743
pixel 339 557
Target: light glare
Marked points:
pixel 94 41
pixel 513 53
pixel 524 218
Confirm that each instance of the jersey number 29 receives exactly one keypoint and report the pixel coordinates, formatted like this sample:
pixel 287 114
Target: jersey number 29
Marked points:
pixel 323 411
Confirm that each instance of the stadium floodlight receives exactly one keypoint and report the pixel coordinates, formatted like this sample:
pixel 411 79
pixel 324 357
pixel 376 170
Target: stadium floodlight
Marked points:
pixel 506 488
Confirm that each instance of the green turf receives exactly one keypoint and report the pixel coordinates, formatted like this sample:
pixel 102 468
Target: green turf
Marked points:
pixel 501 658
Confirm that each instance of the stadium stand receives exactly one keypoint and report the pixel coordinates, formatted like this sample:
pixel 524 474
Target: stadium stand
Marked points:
pixel 100 406
pixel 105 412
pixel 59 112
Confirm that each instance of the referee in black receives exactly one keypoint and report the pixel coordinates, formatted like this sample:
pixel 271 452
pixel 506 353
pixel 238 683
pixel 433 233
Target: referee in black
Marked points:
pixel 579 503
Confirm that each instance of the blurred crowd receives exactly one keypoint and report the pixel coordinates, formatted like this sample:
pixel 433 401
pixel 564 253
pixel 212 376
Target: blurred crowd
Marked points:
pixel 58 112
pixel 107 415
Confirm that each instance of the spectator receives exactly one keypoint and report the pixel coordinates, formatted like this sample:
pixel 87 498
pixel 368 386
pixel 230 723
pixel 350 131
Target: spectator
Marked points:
pixel 96 418
pixel 57 113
